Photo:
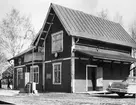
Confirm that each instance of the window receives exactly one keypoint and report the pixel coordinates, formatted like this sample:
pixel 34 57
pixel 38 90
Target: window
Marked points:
pixel 57 42
pixel 57 73
pixel 34 74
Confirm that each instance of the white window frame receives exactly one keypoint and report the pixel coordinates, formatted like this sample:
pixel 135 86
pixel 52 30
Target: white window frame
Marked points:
pixel 32 73
pixel 59 63
pixel 18 70
pixel 52 35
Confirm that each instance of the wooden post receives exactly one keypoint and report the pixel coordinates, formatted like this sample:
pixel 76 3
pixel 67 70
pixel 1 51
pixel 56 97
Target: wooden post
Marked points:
pixel 73 67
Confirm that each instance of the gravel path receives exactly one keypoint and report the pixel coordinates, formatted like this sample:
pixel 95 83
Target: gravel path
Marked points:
pixel 67 99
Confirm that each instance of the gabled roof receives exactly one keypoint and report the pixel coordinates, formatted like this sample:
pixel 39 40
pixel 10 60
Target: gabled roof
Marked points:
pixel 84 25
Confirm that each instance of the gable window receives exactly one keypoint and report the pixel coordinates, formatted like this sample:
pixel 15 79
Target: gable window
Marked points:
pixel 34 74
pixel 57 73
pixel 57 42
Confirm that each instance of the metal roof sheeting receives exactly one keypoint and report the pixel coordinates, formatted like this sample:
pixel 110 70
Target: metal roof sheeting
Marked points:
pixel 84 25
pixel 106 54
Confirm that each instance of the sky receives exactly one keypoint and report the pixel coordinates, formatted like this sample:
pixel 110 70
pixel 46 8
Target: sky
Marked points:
pixel 37 9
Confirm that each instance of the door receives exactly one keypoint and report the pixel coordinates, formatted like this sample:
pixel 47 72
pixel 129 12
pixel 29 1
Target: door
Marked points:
pixel 91 71
pixel 20 78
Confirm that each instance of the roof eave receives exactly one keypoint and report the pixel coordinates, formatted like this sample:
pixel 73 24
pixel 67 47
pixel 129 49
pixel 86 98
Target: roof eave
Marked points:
pixel 103 39
pixel 35 38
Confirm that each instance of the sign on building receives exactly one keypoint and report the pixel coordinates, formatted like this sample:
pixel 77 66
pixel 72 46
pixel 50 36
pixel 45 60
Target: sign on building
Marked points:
pixel 57 42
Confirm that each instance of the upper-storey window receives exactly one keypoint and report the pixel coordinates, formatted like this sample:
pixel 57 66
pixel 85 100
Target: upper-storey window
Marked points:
pixel 57 42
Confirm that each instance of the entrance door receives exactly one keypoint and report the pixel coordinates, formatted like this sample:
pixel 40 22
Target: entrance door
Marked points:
pixel 91 71
pixel 19 78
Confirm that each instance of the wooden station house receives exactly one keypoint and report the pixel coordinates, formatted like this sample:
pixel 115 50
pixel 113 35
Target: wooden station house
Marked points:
pixel 75 52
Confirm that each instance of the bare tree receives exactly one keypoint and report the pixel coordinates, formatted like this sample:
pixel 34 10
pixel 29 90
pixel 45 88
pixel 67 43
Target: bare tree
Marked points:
pixel 103 14
pixel 118 19
pixel 3 62
pixel 14 33
pixel 132 30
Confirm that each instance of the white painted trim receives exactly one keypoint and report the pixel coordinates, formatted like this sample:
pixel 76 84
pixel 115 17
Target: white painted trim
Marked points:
pixel 91 65
pixel 20 66
pixel 33 63
pixel 66 58
pixel 95 66
pixel 73 66
pixel 58 63
pixel 57 60
pixel 47 61
pixel 35 66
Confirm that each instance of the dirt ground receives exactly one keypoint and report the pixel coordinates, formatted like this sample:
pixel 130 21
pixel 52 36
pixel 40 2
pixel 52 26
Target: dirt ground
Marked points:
pixel 67 99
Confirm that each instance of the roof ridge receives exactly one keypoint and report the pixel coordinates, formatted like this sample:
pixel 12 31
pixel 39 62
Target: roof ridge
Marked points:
pixel 97 28
pixel 84 13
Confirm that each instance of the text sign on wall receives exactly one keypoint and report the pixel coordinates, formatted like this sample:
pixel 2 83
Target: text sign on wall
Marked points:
pixel 57 42
pixel 48 76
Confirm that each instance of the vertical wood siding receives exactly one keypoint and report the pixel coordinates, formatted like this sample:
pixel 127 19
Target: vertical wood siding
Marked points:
pixel 65 85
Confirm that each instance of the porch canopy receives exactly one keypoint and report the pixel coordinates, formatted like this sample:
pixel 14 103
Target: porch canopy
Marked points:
pixel 105 54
